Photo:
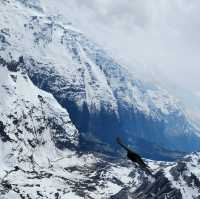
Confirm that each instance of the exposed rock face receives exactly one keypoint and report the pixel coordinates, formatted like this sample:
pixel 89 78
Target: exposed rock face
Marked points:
pixel 160 188
pixel 175 180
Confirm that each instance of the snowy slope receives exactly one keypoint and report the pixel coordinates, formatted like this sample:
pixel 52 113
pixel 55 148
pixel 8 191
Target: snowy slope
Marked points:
pixel 39 155
pixel 48 39
pixel 31 119
pixel 33 130
pixel 102 97
pixel 55 86
pixel 32 164
pixel 171 180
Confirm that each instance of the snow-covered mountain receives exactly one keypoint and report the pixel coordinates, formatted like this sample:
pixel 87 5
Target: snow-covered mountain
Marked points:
pixel 64 100
pixel 38 141
pixel 172 180
pixel 40 158
pixel 104 99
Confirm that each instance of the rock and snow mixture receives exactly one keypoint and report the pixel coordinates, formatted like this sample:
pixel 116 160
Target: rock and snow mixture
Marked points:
pixel 39 142
pixel 89 83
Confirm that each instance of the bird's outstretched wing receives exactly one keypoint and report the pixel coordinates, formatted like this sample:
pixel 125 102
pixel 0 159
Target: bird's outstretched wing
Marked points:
pixel 134 157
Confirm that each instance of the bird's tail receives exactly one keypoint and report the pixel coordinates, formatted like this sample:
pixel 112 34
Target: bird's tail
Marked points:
pixel 146 169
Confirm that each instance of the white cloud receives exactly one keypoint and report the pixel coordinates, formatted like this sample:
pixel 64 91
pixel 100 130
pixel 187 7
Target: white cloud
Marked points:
pixel 161 34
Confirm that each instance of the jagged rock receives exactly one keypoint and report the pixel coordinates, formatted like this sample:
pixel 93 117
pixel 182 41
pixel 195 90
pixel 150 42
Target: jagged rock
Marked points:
pixel 3 135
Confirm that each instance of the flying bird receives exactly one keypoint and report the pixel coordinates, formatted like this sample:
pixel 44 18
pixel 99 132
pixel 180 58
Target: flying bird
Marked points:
pixel 134 157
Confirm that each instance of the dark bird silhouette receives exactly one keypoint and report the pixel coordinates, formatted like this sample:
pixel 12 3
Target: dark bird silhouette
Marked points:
pixel 134 157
